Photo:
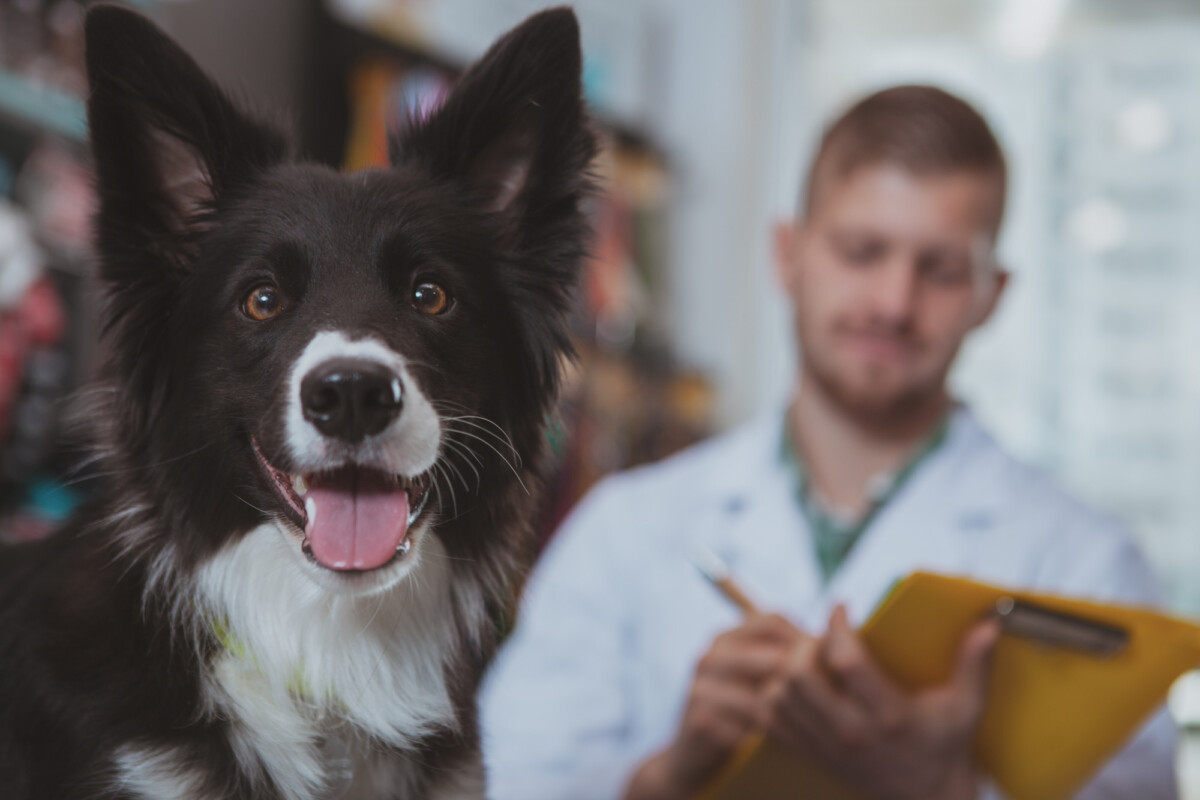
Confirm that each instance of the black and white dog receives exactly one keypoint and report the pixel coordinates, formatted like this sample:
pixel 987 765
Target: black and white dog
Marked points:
pixel 320 431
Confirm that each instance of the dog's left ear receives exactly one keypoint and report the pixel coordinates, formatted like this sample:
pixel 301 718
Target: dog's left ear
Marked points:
pixel 514 130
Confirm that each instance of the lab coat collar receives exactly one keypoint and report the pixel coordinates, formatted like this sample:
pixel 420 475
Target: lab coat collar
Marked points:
pixel 930 523
pixel 758 448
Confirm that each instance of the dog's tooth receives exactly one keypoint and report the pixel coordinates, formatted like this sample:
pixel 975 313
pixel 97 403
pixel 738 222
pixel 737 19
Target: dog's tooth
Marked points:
pixel 300 485
pixel 310 508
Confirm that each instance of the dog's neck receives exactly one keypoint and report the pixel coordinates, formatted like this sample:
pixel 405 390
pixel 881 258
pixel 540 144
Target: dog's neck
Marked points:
pixel 377 662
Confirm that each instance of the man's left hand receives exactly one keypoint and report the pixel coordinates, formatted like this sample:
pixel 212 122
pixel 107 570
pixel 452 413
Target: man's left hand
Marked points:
pixel 836 705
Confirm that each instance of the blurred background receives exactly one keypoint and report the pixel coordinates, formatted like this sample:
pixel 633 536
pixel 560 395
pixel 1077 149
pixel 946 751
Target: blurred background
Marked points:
pixel 711 107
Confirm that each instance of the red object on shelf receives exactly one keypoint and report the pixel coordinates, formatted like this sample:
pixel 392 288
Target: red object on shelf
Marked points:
pixel 42 313
pixel 37 320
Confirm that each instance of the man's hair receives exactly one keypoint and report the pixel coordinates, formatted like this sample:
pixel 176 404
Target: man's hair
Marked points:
pixel 922 129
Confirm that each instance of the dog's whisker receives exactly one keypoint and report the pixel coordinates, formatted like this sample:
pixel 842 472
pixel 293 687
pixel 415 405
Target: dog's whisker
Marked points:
pixel 480 432
pixel 491 428
pixel 499 455
pixel 456 514
pixel 484 433
pixel 462 450
pixel 447 557
pixel 483 423
pixel 451 467
pixel 436 487
pixel 449 487
pixel 256 508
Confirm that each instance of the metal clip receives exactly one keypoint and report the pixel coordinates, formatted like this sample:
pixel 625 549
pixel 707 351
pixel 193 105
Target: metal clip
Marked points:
pixel 1060 629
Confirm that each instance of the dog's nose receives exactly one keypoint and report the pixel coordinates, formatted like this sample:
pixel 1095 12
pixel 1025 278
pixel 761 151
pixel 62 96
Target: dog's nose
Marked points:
pixel 350 399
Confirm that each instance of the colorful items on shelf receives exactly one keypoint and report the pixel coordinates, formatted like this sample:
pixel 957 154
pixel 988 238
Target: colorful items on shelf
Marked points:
pixel 31 314
pixel 384 96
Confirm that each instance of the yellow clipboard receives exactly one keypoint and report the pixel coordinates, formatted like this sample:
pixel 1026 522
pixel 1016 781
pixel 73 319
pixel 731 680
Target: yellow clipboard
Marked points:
pixel 1054 715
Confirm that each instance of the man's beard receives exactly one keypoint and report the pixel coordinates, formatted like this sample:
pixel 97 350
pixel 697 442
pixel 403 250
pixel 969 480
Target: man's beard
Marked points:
pixel 873 405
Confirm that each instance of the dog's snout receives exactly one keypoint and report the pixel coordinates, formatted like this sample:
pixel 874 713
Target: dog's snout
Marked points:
pixel 351 399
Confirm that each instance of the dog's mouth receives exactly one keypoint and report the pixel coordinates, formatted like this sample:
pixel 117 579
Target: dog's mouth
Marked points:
pixel 354 517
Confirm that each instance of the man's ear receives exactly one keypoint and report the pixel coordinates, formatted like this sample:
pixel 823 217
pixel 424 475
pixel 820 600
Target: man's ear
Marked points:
pixel 998 283
pixel 787 236
pixel 513 133
pixel 167 143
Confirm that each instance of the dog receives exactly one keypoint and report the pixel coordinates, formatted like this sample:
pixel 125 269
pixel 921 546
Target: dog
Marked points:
pixel 320 428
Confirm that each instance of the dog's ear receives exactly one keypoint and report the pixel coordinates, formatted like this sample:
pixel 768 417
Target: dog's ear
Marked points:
pixel 167 143
pixel 514 130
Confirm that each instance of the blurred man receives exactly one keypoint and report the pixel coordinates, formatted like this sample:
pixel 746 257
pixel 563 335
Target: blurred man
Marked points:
pixel 628 676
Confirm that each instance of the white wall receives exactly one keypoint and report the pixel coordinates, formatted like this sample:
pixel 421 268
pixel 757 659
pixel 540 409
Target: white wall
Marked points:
pixel 721 125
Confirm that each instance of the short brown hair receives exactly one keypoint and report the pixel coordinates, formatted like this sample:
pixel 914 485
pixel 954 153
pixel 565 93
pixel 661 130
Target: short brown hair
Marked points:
pixel 922 129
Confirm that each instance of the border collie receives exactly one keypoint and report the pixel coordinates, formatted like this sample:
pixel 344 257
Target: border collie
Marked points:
pixel 320 430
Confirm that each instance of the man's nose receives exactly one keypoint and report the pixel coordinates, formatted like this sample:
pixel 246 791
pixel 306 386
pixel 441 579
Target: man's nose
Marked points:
pixel 894 290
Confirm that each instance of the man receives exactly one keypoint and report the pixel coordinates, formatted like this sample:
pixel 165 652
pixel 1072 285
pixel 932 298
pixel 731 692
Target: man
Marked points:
pixel 629 677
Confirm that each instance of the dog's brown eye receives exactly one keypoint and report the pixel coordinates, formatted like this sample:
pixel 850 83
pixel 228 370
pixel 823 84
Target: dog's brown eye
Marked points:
pixel 263 303
pixel 429 298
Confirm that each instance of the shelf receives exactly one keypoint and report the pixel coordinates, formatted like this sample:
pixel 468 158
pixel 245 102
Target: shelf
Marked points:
pixel 362 37
pixel 42 107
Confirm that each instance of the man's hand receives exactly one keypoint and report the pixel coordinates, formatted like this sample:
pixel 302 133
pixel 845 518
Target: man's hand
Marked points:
pixel 834 703
pixel 725 706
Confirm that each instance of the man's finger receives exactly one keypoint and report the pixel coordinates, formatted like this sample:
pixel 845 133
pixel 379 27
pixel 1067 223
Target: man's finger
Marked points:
pixel 726 707
pixel 854 669
pixel 752 662
pixel 770 626
pixel 758 628
pixel 801 733
pixel 807 693
pixel 974 666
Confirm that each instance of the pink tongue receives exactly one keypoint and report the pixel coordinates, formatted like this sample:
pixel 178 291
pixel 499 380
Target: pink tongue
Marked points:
pixel 356 520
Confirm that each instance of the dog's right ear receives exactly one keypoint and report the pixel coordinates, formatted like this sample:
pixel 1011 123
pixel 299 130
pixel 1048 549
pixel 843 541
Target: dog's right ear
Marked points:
pixel 514 131
pixel 168 144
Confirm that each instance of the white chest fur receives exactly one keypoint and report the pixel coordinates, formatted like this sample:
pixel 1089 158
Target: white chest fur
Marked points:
pixel 303 664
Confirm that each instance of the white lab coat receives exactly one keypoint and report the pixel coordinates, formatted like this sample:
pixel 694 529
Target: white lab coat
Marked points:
pixel 615 616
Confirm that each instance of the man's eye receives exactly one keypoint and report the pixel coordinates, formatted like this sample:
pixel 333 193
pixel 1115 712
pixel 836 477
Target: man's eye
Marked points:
pixel 861 254
pixel 947 271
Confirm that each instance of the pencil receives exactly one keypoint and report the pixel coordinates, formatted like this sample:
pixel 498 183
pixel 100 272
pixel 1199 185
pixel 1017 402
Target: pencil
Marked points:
pixel 717 572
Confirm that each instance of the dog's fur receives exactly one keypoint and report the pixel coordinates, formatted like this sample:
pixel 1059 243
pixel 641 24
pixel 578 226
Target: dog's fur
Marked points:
pixel 179 639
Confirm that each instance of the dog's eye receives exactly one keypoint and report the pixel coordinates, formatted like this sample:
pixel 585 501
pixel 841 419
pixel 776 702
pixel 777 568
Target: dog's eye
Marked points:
pixel 263 303
pixel 429 298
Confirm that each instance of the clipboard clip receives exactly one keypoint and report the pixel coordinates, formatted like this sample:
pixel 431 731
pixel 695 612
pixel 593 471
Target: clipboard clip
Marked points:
pixel 1059 629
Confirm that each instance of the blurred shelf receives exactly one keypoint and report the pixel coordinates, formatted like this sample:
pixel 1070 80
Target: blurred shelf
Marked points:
pixel 361 38
pixel 42 108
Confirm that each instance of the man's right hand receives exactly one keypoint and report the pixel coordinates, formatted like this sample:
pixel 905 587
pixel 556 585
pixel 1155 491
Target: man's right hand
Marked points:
pixel 725 706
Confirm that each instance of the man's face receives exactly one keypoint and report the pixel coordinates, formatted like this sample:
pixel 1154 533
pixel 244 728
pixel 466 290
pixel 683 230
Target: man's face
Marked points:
pixel 887 275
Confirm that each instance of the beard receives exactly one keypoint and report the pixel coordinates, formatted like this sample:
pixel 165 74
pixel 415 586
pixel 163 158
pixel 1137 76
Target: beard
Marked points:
pixel 874 398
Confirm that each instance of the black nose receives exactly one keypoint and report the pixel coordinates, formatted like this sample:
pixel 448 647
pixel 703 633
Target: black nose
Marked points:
pixel 349 399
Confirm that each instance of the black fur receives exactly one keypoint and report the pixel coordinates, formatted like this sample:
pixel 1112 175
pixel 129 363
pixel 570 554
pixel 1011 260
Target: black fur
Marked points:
pixel 200 202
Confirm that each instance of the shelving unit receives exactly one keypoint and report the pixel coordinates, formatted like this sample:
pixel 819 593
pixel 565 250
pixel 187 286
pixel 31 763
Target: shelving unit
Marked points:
pixel 47 312
pixel 41 109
